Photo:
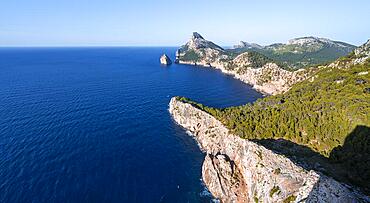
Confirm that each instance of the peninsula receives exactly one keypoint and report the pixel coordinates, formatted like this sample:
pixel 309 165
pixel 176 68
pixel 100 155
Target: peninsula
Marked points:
pixel 264 67
pixel 308 142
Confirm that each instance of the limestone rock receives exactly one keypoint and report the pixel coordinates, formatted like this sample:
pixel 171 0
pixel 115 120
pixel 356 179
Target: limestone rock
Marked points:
pixel 362 53
pixel 165 60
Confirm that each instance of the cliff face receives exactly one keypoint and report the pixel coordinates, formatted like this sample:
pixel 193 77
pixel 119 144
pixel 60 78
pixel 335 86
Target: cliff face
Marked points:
pixel 269 79
pixel 238 170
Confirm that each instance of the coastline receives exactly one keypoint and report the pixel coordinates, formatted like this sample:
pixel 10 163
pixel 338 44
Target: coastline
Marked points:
pixel 280 80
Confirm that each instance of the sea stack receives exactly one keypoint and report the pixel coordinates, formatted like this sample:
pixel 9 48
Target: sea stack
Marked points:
pixel 165 60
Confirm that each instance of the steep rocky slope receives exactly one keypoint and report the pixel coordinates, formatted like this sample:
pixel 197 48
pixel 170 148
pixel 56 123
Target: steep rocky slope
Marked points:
pixel 238 170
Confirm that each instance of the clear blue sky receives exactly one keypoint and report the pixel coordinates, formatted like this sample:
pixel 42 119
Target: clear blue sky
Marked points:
pixel 170 23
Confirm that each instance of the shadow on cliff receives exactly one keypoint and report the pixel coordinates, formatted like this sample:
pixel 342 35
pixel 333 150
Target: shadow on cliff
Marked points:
pixel 349 163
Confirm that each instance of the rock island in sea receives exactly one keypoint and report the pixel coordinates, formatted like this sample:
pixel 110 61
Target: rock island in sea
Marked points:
pixel 165 60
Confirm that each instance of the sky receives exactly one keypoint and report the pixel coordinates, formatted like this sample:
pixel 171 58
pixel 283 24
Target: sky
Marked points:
pixel 170 23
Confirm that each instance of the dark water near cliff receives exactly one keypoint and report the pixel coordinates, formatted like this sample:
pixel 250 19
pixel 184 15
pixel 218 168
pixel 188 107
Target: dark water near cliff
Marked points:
pixel 92 125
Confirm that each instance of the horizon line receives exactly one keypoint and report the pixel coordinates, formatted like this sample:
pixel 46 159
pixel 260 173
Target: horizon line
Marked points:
pixel 85 46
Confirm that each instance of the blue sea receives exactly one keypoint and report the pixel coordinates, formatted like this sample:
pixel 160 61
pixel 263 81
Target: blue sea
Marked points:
pixel 92 125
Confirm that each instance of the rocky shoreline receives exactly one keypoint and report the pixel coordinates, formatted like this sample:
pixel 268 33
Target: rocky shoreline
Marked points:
pixel 239 170
pixel 279 80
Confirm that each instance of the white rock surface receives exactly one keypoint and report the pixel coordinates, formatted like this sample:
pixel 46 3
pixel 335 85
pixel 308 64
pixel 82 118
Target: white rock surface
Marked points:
pixel 165 60
pixel 269 79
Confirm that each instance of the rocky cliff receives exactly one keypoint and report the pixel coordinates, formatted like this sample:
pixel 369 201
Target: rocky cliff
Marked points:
pixel 239 170
pixel 254 69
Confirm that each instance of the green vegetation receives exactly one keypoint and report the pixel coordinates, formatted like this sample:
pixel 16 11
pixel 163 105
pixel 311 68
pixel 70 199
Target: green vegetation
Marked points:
pixel 289 199
pixel 303 58
pixel 293 57
pixel 274 190
pixel 255 198
pixel 191 55
pixel 318 114
pixel 258 60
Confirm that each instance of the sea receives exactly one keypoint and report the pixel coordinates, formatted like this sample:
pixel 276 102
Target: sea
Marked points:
pixel 91 124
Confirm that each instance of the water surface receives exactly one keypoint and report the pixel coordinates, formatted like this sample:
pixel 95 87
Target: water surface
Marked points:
pixel 92 125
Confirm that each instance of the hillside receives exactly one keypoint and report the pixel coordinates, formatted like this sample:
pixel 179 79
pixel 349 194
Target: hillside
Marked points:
pixel 300 52
pixel 329 114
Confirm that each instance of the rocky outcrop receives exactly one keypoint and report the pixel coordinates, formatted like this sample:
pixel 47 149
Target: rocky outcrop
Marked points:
pixel 359 55
pixel 165 60
pixel 198 42
pixel 238 170
pixel 362 53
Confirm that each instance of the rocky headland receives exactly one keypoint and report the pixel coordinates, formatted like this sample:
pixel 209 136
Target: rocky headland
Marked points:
pixel 249 65
pixel 239 170
pixel 245 170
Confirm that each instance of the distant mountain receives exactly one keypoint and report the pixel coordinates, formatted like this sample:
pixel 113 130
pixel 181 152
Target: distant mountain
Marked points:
pixel 301 52
pixel 246 45
pixel 198 42
pixel 359 55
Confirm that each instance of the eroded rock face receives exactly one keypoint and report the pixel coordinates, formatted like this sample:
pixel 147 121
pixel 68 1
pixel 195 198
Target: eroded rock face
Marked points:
pixel 238 170
pixel 269 79
pixel 165 60
pixel 362 53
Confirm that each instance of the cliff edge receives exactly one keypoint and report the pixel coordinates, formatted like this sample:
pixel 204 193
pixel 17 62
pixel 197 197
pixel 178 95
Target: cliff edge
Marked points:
pixel 239 170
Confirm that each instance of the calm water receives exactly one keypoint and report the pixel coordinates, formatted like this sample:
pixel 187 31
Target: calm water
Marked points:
pixel 92 125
